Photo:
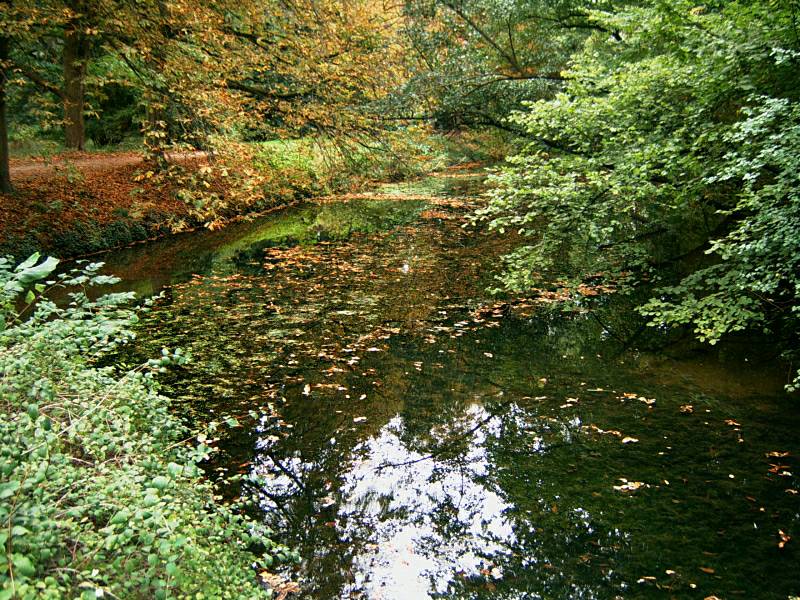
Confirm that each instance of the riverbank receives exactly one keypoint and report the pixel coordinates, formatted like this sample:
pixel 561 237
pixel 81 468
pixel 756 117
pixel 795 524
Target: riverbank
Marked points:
pixel 101 490
pixel 75 204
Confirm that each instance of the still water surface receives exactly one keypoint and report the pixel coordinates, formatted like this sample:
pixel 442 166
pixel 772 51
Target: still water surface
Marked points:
pixel 420 438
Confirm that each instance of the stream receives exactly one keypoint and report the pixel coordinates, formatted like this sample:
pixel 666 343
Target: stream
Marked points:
pixel 413 436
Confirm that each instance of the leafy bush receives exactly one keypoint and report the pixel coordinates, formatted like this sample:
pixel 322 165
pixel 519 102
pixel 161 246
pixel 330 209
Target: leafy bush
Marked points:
pixel 99 496
pixel 677 137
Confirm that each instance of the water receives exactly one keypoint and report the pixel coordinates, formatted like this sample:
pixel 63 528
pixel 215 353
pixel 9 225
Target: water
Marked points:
pixel 420 438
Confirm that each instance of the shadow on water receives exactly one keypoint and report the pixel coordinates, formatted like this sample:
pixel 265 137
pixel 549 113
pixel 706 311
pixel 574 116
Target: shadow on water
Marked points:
pixel 419 438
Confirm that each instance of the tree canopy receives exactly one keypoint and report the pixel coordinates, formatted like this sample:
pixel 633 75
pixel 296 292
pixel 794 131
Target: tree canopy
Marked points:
pixel 660 136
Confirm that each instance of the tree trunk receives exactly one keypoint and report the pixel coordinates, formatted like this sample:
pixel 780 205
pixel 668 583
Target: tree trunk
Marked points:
pixel 5 175
pixel 76 54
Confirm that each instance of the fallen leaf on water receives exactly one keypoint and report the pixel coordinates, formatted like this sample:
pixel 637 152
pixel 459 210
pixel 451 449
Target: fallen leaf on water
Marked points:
pixel 784 538
pixel 776 454
pixel 708 570
pixel 779 470
pixel 629 486
pixel 281 588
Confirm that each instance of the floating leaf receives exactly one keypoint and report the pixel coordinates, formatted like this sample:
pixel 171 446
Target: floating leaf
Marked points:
pixel 784 539
pixel 708 570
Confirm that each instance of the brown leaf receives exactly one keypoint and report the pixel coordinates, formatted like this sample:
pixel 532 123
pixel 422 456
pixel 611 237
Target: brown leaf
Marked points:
pixel 784 538
pixel 708 570
pixel 776 454
pixel 279 586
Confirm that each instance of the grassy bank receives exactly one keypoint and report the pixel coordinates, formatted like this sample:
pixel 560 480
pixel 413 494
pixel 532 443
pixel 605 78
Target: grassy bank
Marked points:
pixel 100 494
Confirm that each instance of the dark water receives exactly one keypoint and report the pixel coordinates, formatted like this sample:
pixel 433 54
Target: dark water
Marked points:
pixel 419 438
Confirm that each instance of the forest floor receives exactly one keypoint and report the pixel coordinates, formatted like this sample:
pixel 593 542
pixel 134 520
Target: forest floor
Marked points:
pixel 84 162
pixel 57 194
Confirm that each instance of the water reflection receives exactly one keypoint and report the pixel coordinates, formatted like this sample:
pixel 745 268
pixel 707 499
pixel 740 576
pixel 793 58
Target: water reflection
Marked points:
pixel 423 439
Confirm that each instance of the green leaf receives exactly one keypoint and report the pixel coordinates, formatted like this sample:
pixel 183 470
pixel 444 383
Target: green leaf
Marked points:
pixel 37 272
pixel 174 470
pixel 8 489
pixel 23 565
pixel 160 482
pixel 28 262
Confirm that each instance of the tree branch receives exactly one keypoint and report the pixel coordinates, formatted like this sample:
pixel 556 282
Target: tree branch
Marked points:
pixel 34 78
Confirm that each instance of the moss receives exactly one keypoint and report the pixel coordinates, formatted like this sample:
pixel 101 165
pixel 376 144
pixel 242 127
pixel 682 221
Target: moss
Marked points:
pixel 16 245
pixel 86 237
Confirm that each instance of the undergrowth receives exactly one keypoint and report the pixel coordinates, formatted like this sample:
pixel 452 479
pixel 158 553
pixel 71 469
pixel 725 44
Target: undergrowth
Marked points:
pixel 100 495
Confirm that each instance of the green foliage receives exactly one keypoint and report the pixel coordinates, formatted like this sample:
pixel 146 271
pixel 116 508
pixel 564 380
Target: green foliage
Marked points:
pixel 677 137
pixel 253 176
pixel 99 494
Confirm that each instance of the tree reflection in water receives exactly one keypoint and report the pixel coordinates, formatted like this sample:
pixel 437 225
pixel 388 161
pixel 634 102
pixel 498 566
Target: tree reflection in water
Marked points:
pixel 422 439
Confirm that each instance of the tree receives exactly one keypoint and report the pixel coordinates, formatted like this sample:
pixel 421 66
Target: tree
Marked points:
pixel 676 138
pixel 55 43
pixel 479 60
pixel 77 46
pixel 44 35
pixel 5 42
pixel 320 65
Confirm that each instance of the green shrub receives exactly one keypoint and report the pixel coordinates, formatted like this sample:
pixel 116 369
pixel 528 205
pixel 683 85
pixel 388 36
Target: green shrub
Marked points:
pixel 98 495
pixel 671 155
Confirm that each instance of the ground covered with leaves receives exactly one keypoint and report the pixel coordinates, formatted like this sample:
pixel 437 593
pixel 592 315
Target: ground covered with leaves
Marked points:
pixel 78 203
